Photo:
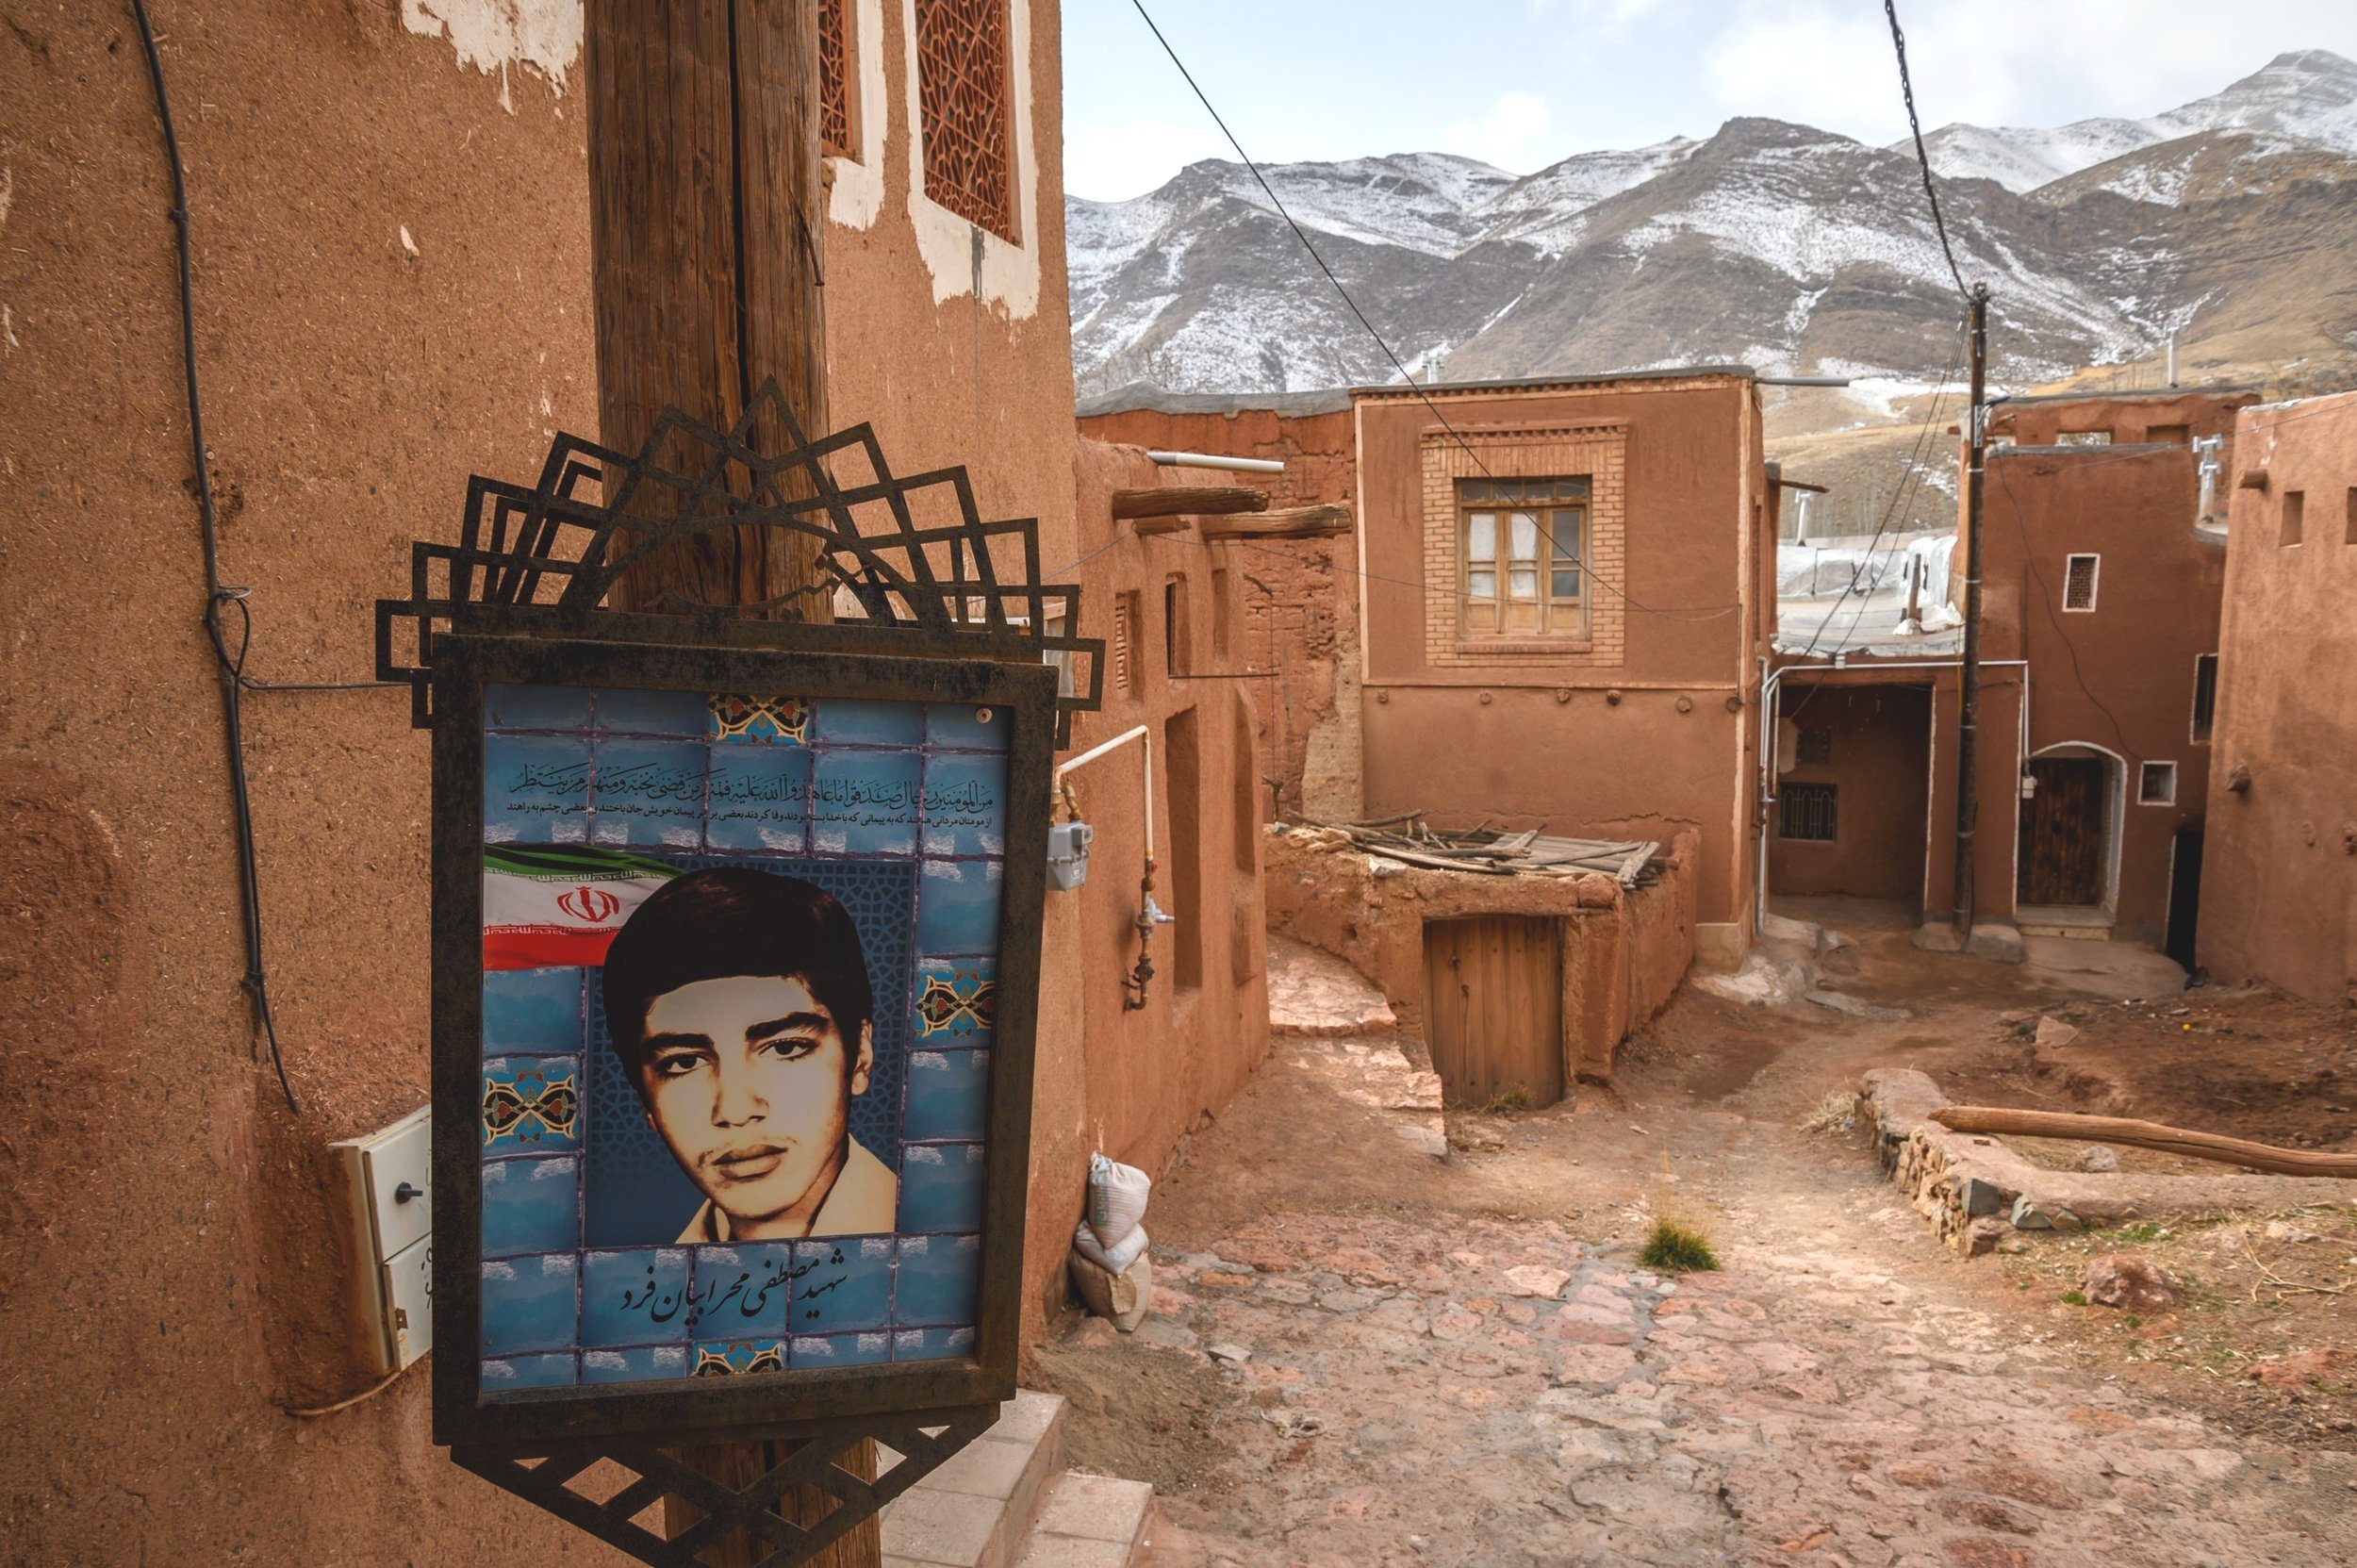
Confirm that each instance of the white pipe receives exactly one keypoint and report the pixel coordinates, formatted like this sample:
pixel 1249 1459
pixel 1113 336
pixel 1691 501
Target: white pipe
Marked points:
pixel 1141 734
pixel 1212 461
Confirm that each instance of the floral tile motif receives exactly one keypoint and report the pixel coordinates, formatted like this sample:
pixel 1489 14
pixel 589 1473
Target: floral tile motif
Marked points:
pixel 635 1297
pixel 741 719
pixel 528 1304
pixel 957 1000
pixel 531 1104
pixel 531 1206
pixel 940 1280
pixel 948 1095
pixel 734 1359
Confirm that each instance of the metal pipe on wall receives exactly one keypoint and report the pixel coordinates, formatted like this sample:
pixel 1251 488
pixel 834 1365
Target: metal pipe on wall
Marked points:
pixel 1213 460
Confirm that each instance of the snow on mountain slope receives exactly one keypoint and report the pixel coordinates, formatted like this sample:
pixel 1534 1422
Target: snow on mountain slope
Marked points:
pixel 1543 210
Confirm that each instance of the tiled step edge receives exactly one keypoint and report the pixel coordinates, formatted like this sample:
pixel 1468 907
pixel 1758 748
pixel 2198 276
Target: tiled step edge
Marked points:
pixel 976 1511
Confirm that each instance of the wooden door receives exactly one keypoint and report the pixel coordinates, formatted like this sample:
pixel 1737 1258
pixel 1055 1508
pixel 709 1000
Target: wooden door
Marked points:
pixel 1493 1007
pixel 2061 831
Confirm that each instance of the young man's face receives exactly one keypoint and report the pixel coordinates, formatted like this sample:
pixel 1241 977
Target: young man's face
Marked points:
pixel 749 1081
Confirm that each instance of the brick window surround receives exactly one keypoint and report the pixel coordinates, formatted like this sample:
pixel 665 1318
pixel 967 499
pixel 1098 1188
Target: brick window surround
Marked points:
pixel 1595 449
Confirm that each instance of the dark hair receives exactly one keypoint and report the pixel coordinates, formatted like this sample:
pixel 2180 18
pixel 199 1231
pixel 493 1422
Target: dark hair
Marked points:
pixel 728 921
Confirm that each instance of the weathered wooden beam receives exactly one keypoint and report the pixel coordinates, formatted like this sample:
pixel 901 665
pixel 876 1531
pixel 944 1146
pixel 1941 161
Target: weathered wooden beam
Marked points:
pixel 1287 522
pixel 1166 501
pixel 2144 1134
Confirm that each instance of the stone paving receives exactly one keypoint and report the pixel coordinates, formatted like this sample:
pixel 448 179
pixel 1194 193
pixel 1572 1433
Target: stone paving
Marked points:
pixel 1496 1393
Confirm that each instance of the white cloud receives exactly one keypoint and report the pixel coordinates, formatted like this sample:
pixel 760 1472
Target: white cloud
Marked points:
pixel 1516 124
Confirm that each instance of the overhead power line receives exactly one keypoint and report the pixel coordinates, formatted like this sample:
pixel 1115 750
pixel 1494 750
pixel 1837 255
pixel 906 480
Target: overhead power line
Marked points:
pixel 1923 160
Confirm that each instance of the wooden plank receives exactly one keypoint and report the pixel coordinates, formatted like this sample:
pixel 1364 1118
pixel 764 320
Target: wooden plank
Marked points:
pixel 1164 501
pixel 2144 1134
pixel 1287 522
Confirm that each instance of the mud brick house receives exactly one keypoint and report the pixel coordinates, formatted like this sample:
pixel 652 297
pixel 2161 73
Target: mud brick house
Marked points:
pixel 2102 586
pixel 1300 629
pixel 1566 594
pixel 362 354
pixel 2279 883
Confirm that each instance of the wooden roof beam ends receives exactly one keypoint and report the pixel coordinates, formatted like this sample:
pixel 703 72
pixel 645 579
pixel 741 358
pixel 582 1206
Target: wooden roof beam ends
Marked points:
pixel 1169 501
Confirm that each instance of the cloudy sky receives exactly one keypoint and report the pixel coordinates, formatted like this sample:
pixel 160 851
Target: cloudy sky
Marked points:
pixel 1522 83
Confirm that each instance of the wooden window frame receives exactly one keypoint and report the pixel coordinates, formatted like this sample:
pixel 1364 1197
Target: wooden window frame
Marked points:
pixel 1559 618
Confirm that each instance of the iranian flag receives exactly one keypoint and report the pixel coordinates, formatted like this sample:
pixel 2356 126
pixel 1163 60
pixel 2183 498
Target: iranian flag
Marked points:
pixel 545 905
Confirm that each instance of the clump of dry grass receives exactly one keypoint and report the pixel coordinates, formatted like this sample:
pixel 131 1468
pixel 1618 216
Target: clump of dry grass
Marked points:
pixel 1837 1113
pixel 1674 1247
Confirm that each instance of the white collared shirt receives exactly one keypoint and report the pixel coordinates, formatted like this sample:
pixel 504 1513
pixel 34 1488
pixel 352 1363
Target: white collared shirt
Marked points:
pixel 864 1202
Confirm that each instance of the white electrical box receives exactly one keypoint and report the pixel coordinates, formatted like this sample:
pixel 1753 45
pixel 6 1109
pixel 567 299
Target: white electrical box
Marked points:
pixel 390 1175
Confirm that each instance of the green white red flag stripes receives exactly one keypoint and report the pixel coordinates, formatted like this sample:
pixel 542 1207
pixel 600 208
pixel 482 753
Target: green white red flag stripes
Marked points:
pixel 550 905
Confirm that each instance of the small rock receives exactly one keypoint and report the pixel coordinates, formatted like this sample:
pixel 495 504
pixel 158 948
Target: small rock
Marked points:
pixel 1095 1333
pixel 2278 1231
pixel 1469 1260
pixel 1533 1280
pixel 1981 1197
pixel 1980 1236
pixel 2099 1157
pixel 1230 1355
pixel 2054 1032
pixel 2027 1215
pixel 2304 1367
pixel 2129 1281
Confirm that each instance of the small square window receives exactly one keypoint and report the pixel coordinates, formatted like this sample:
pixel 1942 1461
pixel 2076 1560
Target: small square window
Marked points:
pixel 1807 812
pixel 2079 581
pixel 2157 786
pixel 2084 438
pixel 2169 435
pixel 2204 697
pixel 2294 516
pixel 1815 749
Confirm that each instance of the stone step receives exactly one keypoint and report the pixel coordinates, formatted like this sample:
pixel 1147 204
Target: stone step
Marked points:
pixel 1089 1522
pixel 976 1511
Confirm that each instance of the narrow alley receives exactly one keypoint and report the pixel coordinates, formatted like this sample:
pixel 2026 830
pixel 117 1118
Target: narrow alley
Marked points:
pixel 1360 1355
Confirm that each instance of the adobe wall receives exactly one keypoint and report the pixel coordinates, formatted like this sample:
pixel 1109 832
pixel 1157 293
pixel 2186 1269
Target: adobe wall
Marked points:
pixel 2118 678
pixel 2173 417
pixel 1880 768
pixel 392 276
pixel 1648 729
pixel 2278 874
pixel 1997 780
pixel 1301 606
pixel 1624 950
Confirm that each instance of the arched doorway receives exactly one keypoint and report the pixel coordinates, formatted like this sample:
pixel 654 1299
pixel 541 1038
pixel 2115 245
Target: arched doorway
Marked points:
pixel 2071 802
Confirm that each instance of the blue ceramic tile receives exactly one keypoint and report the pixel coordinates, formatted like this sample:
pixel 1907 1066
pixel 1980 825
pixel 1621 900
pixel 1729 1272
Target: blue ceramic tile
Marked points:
pixel 531 1206
pixel 635 1297
pixel 734 1357
pixel 742 1292
pixel 957 907
pixel 940 1188
pixel 760 798
pixel 933 1345
pixel 743 719
pixel 864 803
pixel 956 1001
pixel 842 1285
pixel 940 1279
pixel 536 707
pixel 653 713
pixel 530 1010
pixel 949 1094
pixel 968 728
pixel 815 1354
pixel 642 1364
pixel 650 792
pixel 536 789
pixel 843 719
pixel 531 1104
pixel 528 1304
pixel 521 1371
pixel 966 805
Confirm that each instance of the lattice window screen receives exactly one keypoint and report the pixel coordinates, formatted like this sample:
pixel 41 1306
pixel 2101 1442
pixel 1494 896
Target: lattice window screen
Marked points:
pixel 2079 582
pixel 962 91
pixel 834 87
pixel 1807 811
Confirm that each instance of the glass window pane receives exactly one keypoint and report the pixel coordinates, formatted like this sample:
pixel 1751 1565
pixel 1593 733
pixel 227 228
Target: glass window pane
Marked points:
pixel 1521 584
pixel 1481 536
pixel 1565 526
pixel 1566 584
pixel 1482 585
pixel 1525 537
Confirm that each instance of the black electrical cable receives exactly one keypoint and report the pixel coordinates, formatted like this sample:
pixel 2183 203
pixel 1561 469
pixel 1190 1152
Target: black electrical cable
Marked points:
pixel 1689 614
pixel 1906 91
pixel 233 677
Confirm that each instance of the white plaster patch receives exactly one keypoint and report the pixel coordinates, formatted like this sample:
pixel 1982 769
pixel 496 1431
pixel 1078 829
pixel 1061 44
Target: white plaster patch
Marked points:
pixel 492 35
pixel 1010 273
pixel 858 195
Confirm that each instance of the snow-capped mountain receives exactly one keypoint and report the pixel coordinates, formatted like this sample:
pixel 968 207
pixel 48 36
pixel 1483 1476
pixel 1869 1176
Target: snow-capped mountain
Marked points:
pixel 1778 245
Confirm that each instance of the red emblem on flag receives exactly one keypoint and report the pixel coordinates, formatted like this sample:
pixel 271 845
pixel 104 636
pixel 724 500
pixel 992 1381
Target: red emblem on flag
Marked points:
pixel 591 906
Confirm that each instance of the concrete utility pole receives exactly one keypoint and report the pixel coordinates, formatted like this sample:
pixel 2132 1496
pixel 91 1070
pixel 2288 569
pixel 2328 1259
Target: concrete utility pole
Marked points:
pixel 1968 684
pixel 705 222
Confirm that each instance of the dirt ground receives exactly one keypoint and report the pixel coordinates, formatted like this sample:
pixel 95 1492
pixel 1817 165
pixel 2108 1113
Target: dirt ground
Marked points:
pixel 1360 1355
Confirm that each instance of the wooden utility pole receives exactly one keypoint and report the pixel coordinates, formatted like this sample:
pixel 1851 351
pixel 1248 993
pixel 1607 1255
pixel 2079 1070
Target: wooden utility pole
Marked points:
pixel 705 226
pixel 1968 680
